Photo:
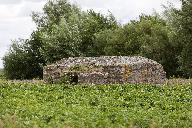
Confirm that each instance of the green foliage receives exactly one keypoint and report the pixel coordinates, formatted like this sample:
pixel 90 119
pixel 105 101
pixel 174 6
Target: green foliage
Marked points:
pixel 53 12
pixel 59 28
pixel 77 67
pixel 149 36
pixel 179 21
pixel 21 62
pixel 2 74
pixel 65 79
pixel 186 32
pixel 41 105
pixel 156 43
pixel 50 79
pixel 66 31
pixel 62 42
pixel 92 24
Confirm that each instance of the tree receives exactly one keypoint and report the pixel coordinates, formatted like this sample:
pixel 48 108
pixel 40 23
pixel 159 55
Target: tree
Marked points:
pixel 149 36
pixel 59 26
pixel 92 24
pixel 56 37
pixel 63 30
pixel 70 31
pixel 62 42
pixel 21 62
pixel 156 43
pixel 173 18
pixel 186 32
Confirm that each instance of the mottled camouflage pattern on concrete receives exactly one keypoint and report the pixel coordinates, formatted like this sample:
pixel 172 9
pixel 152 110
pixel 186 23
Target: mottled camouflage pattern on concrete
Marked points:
pixel 107 70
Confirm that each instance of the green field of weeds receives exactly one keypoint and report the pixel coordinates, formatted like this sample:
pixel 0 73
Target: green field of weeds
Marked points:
pixel 100 106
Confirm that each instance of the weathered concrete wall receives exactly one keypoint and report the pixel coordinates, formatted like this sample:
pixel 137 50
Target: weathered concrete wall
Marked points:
pixel 107 70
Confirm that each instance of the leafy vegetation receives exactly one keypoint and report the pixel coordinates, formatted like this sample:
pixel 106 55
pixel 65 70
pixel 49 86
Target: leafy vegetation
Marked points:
pixel 2 76
pixel 149 36
pixel 186 33
pixel 57 105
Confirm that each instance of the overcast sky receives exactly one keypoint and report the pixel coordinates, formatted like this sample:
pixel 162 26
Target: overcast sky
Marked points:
pixel 16 22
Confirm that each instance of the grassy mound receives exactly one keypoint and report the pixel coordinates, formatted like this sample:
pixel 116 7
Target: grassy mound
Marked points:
pixel 41 105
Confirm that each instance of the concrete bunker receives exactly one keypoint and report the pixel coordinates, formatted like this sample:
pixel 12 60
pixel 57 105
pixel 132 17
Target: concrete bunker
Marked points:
pixel 105 70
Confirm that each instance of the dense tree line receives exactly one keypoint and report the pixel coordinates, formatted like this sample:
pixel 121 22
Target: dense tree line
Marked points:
pixel 64 30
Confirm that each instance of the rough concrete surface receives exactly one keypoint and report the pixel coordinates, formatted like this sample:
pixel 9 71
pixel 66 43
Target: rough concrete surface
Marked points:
pixel 106 70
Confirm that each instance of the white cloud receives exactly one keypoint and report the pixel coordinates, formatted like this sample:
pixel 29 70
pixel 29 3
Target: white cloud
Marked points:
pixel 125 10
pixel 5 2
pixel 13 29
pixel 28 7
pixel 8 2
pixel 15 20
